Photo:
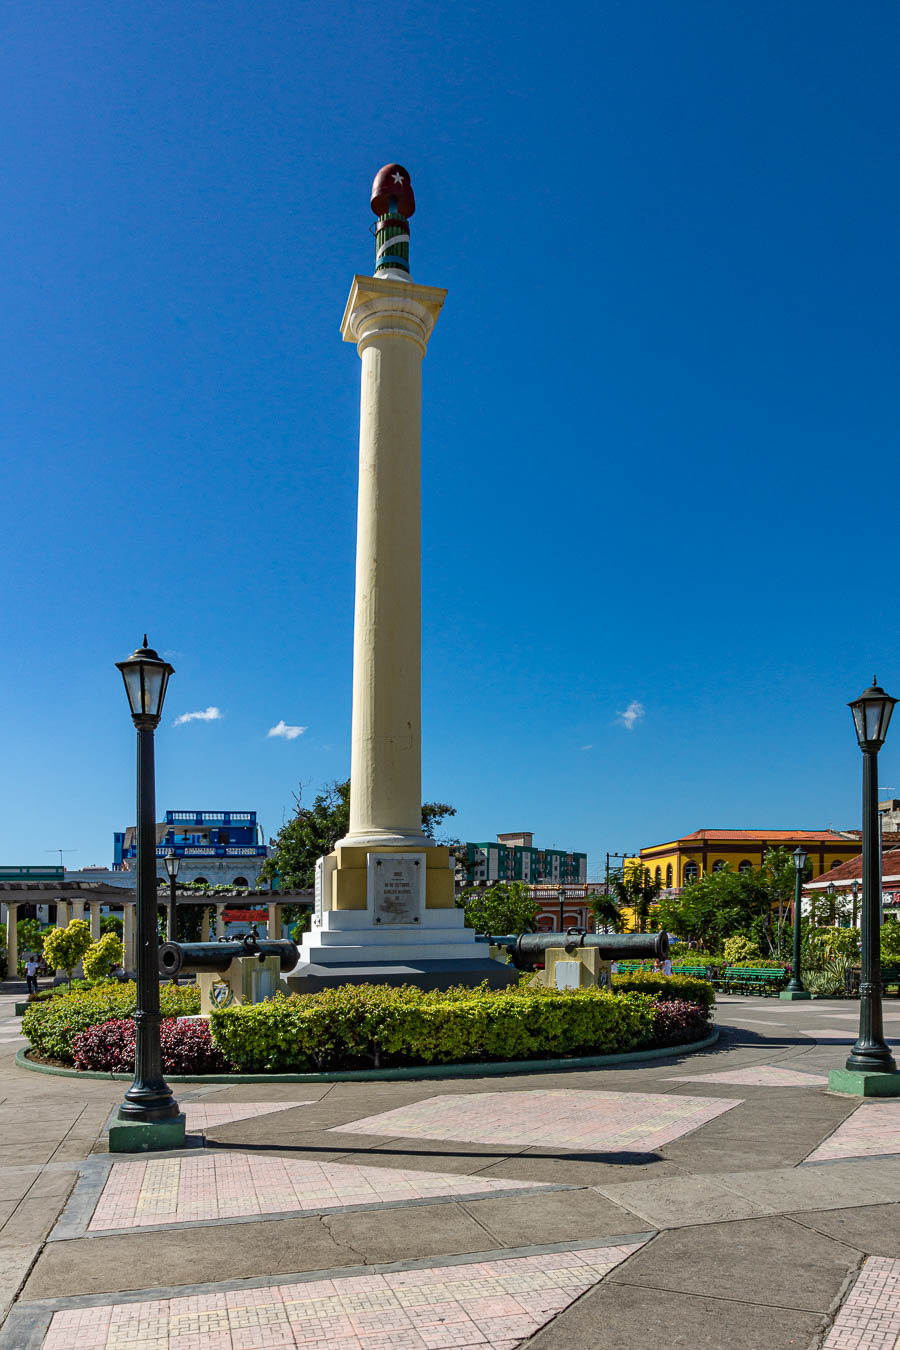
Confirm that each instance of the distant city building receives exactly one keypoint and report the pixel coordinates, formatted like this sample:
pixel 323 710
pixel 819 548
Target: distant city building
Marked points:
pixel 686 859
pixel 222 848
pixel 514 858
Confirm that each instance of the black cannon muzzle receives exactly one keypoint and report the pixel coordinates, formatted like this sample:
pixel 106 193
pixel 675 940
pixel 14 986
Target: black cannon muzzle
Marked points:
pixel 189 958
pixel 528 949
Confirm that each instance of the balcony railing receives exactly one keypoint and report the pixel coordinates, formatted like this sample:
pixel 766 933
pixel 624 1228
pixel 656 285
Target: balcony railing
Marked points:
pixel 204 851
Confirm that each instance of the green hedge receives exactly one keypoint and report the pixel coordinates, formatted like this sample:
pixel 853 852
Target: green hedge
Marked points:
pixel 51 1026
pixel 360 1026
pixel 650 982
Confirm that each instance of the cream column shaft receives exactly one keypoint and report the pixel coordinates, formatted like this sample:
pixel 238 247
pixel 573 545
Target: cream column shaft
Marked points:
pixel 220 921
pixel 12 941
pixel 128 936
pixel 62 914
pixel 204 924
pixel 391 322
pixel 95 920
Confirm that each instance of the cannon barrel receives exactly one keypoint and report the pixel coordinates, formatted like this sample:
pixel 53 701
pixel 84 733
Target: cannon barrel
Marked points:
pixel 528 948
pixel 189 958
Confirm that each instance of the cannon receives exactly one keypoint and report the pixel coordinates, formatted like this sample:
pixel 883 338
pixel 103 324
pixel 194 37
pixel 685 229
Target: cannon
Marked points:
pixel 528 949
pixel 232 970
pixel 192 958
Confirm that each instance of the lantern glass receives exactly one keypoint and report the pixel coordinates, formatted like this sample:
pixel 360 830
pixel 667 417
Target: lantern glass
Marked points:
pixel 172 862
pixel 146 678
pixel 872 716
pixel 799 859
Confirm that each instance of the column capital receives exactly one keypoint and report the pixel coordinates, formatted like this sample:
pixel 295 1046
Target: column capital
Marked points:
pixel 380 307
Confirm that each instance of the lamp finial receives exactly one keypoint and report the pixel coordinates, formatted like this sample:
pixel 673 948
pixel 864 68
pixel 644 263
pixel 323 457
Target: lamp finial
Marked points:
pixel 393 202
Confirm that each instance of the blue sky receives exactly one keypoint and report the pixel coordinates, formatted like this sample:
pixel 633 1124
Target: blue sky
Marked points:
pixel 660 406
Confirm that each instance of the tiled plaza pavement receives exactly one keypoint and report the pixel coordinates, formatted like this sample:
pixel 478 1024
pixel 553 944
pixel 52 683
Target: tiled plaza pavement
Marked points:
pixel 492 1304
pixel 231 1185
pixel 554 1118
pixel 872 1130
pixel 683 1201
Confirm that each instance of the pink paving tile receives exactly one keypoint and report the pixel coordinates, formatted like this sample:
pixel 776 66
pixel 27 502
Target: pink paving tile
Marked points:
pixel 471 1304
pixel 180 1190
pixel 873 1129
pixel 207 1115
pixel 766 1075
pixel 638 1121
pixel 869 1318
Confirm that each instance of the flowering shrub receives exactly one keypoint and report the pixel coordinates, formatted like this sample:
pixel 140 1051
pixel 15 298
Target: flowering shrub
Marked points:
pixel 677 1022
pixel 101 956
pixel 665 986
pixel 52 1025
pixel 187 1048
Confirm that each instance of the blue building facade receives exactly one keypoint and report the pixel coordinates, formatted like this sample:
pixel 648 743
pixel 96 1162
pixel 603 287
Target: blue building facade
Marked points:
pixel 220 847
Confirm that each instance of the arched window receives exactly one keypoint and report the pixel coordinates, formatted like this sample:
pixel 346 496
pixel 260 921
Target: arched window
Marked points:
pixel 668 876
pixel 201 881
pixel 745 867
pixel 658 876
pixel 647 875
pixel 836 863
pixel 691 872
pixel 241 881
pixel 720 866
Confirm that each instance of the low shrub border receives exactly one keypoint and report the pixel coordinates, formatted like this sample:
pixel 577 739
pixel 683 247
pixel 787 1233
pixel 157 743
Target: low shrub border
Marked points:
pixel 427 1071
pixel 52 1025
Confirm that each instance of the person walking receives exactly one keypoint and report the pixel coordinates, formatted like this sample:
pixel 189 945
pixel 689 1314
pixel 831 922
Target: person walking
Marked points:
pixel 31 973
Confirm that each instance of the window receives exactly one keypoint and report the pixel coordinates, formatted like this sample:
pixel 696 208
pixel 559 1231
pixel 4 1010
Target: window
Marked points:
pixel 720 866
pixel 669 876
pixel 691 872
pixel 201 881
pixel 745 867
pixel 240 881
pixel 836 863
pixel 658 876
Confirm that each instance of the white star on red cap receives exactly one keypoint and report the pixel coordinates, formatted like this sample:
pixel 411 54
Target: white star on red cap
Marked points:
pixel 398 178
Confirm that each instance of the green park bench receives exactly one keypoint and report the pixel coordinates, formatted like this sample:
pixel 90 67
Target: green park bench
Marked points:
pixel 890 976
pixel 751 980
pixel 696 972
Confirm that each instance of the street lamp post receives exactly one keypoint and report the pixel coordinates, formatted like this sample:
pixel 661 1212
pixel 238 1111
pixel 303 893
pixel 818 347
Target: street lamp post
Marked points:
pixel 854 892
pixel 795 990
pixel 831 891
pixel 149 1117
pixel 172 863
pixel 561 897
pixel 870 1055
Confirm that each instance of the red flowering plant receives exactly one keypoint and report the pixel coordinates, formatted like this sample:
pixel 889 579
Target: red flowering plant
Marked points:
pixel 187 1048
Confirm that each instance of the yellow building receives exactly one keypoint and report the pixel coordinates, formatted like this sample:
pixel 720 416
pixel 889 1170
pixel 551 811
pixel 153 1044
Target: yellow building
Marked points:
pixel 674 864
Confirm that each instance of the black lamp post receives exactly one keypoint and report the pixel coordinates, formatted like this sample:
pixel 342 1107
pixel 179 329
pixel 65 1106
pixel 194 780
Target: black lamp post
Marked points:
pixel 172 862
pixel 149 1117
pixel 795 988
pixel 854 892
pixel 871 716
pixel 561 897
pixel 830 891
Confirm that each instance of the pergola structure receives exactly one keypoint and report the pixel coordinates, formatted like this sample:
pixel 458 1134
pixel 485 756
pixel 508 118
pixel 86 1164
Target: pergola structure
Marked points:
pixel 83 900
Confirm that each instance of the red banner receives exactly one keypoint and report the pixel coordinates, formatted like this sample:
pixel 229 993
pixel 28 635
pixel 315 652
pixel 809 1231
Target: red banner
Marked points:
pixel 246 915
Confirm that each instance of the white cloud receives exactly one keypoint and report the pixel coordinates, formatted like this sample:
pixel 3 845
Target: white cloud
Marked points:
pixel 587 747
pixel 285 732
pixel 633 713
pixel 209 714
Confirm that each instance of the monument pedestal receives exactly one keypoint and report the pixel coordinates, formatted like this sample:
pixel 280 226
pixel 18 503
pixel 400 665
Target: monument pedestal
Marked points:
pixel 386 916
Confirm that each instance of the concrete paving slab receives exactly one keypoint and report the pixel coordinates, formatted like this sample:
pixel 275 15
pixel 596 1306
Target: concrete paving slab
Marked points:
pixel 677 1202
pixel 620 1317
pixel 772 1259
pixel 579 1169
pixel 874 1229
pixel 555 1216
pixel 850 1183
pixel 429 1230
pixel 173 1257
pixel 15 1263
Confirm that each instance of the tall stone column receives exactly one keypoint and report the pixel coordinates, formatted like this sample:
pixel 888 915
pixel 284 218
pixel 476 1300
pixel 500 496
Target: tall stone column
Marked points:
pixel 273 923
pixel 220 921
pixel 77 909
pixel 204 924
pixel 12 941
pixel 95 920
pixel 62 914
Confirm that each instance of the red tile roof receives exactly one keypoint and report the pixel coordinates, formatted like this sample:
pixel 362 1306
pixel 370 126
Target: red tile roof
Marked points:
pixel 852 870
pixel 827 836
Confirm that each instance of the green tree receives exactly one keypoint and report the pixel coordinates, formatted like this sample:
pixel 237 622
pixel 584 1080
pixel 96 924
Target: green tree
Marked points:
pixel 607 913
pixel 717 906
pixel 890 942
pixel 65 947
pixel 504 907
pixel 29 935
pixel 101 956
pixel 635 890
pixel 110 923
pixel 314 830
